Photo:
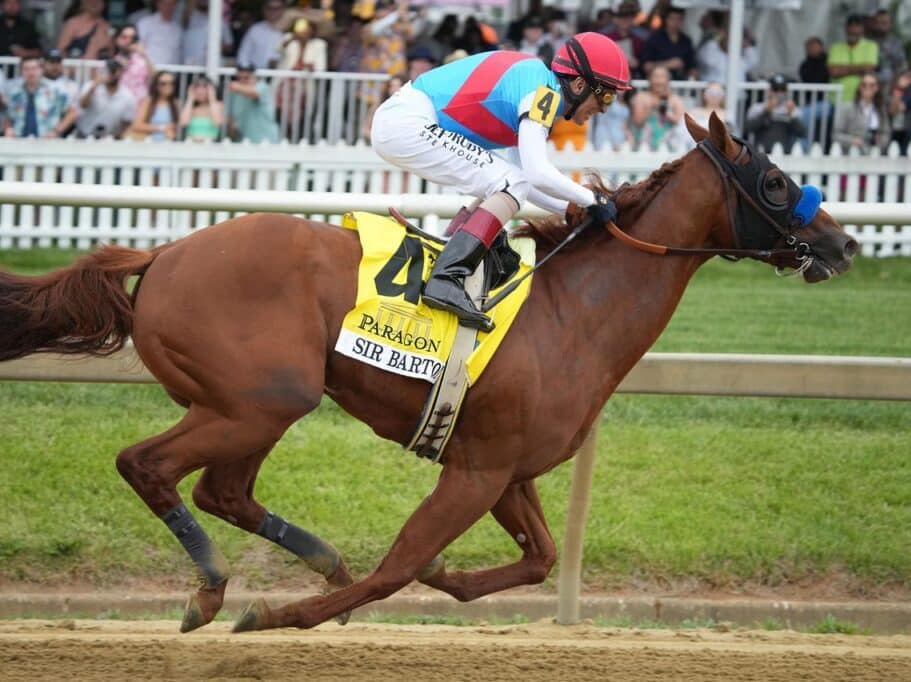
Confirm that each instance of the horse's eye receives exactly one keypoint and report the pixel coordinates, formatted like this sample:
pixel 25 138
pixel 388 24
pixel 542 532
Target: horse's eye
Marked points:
pixel 775 188
pixel 774 184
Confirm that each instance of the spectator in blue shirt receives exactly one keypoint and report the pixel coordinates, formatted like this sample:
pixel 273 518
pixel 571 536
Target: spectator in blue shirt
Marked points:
pixel 671 48
pixel 36 108
pixel 251 109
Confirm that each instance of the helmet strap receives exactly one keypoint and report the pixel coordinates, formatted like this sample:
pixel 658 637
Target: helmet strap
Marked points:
pixel 572 99
pixel 580 62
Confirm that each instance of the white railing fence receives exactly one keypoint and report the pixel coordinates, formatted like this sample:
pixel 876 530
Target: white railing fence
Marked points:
pixel 669 373
pixel 330 106
pixel 314 170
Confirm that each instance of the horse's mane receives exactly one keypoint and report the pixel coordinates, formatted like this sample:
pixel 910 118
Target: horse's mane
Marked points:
pixel 631 201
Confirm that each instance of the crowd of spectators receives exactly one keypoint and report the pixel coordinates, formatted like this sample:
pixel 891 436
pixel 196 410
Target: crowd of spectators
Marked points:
pixel 134 94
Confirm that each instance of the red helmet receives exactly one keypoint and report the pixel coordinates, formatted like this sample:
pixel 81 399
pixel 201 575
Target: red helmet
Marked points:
pixel 595 57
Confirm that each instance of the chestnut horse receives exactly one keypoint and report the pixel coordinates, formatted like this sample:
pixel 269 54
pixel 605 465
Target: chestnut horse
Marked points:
pixel 238 323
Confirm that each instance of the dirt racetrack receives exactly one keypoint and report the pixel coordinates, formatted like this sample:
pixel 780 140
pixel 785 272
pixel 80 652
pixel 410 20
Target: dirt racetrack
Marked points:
pixel 128 651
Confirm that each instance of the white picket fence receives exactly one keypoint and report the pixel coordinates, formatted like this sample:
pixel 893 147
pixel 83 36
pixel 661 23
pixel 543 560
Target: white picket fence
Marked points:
pixel 342 169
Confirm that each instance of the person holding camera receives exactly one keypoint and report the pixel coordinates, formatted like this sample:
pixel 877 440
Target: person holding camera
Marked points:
pixel 656 114
pixel 137 66
pixel 107 107
pixel 777 120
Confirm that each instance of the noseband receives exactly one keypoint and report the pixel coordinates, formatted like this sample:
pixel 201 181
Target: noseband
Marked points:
pixel 754 209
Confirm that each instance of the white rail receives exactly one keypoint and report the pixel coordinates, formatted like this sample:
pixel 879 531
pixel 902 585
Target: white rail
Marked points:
pixel 242 201
pixel 796 376
pixel 307 174
pixel 816 376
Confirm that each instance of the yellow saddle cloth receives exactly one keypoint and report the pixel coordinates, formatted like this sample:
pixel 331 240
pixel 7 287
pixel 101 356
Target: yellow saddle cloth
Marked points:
pixel 390 327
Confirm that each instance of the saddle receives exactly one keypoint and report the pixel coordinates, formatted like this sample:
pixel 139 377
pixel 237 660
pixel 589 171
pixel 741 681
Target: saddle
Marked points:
pixel 445 399
pixel 388 327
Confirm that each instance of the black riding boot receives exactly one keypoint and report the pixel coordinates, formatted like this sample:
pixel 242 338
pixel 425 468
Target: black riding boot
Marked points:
pixel 445 289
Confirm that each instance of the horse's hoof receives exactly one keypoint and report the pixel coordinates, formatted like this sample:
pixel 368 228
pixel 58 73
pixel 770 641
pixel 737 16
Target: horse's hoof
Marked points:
pixel 339 579
pixel 202 607
pixel 254 617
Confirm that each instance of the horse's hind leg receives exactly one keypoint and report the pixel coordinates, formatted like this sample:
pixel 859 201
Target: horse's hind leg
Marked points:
pixel 225 489
pixel 460 498
pixel 155 466
pixel 519 512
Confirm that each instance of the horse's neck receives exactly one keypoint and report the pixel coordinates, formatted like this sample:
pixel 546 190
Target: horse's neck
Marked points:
pixel 624 298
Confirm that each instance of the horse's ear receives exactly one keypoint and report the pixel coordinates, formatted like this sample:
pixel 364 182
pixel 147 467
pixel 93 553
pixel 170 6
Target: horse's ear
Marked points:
pixel 697 132
pixel 720 136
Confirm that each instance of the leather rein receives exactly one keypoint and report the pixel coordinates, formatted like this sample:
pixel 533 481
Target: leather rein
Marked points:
pixel 799 252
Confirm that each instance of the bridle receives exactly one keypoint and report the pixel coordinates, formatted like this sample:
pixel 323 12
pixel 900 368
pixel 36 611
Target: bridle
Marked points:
pixel 749 214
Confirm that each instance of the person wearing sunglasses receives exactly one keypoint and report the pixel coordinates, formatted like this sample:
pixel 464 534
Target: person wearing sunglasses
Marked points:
pixel 157 115
pixel 866 122
pixel 445 124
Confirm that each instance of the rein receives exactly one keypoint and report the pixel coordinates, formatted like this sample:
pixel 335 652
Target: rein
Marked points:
pixel 799 251
pixel 661 250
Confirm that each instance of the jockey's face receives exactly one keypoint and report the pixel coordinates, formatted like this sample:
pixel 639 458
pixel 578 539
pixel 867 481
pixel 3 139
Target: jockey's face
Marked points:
pixel 591 105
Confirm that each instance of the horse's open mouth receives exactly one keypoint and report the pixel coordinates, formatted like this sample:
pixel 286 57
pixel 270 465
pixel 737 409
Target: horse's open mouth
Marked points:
pixel 819 270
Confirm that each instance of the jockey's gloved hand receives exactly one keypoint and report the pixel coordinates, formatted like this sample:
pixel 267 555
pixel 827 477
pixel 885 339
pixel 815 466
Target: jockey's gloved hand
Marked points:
pixel 604 210
pixel 575 214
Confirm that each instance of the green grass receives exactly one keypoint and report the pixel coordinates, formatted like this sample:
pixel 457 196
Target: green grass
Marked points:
pixel 744 308
pixel 726 492
pixel 830 625
pixel 770 623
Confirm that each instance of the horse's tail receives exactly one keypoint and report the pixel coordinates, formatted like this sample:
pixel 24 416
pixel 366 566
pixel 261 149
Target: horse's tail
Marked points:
pixel 84 308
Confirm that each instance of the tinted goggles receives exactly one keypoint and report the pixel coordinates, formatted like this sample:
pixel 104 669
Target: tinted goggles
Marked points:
pixel 604 93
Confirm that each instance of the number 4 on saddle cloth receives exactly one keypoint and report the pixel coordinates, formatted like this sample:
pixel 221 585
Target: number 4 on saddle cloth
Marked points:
pixel 390 328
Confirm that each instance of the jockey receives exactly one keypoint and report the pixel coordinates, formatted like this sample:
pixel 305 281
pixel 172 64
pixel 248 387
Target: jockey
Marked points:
pixel 444 125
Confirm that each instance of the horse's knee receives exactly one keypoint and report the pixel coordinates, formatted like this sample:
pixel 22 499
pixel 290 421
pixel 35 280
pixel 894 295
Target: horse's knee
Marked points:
pixel 541 565
pixel 126 464
pixel 135 470
pixel 155 488
pixel 233 506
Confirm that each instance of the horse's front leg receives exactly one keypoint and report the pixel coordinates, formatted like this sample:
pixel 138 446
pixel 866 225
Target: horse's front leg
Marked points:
pixel 460 498
pixel 519 512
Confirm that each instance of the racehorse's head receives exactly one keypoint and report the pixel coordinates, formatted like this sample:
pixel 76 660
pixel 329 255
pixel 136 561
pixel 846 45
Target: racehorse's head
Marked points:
pixel 768 211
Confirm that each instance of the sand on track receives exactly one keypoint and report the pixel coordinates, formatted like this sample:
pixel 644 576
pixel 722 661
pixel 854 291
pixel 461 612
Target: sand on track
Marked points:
pixel 87 651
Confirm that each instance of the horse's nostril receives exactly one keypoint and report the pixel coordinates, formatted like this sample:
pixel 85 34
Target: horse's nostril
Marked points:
pixel 850 248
